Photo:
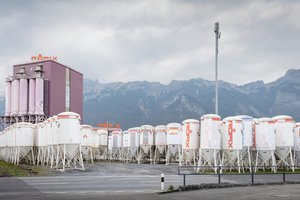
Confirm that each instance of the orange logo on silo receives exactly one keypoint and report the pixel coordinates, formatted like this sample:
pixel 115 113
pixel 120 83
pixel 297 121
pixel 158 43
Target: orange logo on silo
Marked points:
pixel 188 131
pixel 230 134
pixel 40 57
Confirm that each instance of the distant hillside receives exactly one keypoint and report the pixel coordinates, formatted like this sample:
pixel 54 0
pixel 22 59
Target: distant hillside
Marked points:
pixel 141 102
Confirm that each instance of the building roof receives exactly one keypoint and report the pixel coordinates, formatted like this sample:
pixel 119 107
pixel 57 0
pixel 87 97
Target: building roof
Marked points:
pixel 42 61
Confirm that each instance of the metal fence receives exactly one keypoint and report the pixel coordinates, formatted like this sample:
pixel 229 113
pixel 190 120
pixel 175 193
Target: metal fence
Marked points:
pixel 234 170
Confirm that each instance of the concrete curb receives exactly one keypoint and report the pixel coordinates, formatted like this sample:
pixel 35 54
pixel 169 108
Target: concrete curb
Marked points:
pixel 168 191
pixel 223 185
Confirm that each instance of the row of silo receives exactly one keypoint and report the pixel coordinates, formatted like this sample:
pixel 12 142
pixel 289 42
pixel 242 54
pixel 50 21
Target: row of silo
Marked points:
pixel 234 141
pixel 152 144
pixel 24 95
pixel 56 141
pixel 244 141
pixel 17 143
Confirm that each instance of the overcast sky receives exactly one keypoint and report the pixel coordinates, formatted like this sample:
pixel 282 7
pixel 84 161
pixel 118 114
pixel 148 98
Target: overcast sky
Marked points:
pixel 154 40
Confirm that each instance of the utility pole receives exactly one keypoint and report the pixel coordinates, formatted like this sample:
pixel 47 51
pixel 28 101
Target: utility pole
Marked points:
pixel 218 36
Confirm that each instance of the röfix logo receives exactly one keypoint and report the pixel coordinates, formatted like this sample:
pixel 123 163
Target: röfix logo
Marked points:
pixel 40 57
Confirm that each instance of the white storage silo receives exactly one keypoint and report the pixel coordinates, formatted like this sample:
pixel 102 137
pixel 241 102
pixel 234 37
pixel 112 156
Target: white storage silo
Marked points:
pixel 69 151
pixel 35 132
pixel 160 138
pixel 232 142
pixel 174 137
pixel 95 145
pixel 24 142
pixel 116 139
pixel 247 139
pixel 49 142
pixel 125 146
pixel 54 129
pixel 86 142
pixel 210 141
pixel 134 143
pixel 296 147
pixel 13 144
pixel 102 143
pixel 8 99
pixel 190 142
pixel 109 153
pixel 10 144
pixel 284 129
pixel 265 143
pixel 7 142
pixel 146 144
pixel 41 144
pixel 2 146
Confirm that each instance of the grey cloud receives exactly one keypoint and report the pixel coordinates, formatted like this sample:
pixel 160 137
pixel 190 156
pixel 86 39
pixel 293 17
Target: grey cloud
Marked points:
pixel 154 40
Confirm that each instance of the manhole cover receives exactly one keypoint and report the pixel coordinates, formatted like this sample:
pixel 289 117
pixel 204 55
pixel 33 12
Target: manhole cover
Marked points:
pixel 281 195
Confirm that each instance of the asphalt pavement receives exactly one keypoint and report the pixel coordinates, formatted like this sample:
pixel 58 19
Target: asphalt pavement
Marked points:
pixel 113 180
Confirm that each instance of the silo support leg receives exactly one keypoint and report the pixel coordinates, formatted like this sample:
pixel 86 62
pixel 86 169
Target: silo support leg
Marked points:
pixel 64 157
pixel 291 157
pixel 32 156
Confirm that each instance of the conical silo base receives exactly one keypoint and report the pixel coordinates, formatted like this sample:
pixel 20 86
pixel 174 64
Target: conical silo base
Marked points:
pixel 232 159
pixel 69 157
pixel 285 157
pixel 209 159
pixel 173 153
pixel 160 153
pixel 265 159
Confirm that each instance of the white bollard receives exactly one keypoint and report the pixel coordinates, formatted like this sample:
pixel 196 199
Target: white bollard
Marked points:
pixel 162 182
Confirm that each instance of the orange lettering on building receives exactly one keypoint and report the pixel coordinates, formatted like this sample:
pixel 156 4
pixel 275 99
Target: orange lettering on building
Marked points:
pixel 105 125
pixel 40 57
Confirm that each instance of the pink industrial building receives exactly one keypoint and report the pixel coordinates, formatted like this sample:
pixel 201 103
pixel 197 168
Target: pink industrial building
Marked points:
pixel 41 89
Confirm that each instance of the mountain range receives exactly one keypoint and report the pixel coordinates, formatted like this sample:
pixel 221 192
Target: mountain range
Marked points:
pixel 138 103
pixel 141 102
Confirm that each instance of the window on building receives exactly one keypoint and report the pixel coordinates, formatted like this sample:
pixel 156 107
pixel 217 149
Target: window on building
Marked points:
pixel 67 89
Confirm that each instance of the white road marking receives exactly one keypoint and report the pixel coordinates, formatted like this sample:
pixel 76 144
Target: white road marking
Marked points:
pixel 59 183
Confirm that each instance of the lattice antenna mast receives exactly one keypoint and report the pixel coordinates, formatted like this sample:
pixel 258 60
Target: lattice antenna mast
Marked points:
pixel 218 36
